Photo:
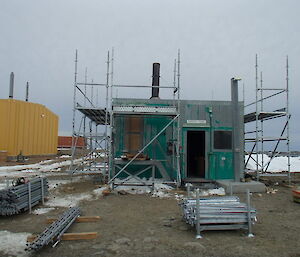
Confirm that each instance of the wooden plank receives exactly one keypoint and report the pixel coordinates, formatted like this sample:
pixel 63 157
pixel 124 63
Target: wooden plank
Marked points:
pixel 79 219
pixel 31 238
pixel 87 219
pixel 71 236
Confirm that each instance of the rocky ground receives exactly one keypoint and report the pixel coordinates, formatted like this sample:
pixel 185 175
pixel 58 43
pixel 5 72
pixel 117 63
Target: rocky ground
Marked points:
pixel 141 225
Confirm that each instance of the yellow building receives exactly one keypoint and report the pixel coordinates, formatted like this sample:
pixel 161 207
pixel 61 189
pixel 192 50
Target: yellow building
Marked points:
pixel 27 128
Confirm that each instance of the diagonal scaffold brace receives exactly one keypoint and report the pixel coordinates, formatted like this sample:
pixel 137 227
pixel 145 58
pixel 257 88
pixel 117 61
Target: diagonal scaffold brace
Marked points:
pixel 148 144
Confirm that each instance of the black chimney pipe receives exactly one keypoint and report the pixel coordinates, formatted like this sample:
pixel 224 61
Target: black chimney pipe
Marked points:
pixel 155 80
pixel 27 91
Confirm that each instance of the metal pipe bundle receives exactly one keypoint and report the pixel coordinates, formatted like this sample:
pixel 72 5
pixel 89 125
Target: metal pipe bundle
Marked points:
pixel 55 231
pixel 23 197
pixel 218 213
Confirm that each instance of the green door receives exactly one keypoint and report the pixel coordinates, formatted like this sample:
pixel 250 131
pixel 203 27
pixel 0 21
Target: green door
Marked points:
pixel 222 159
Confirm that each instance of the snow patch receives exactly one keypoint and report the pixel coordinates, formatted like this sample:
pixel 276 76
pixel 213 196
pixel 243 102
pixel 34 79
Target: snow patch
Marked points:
pixel 56 183
pixel 45 162
pixel 74 199
pixel 160 189
pixel 42 210
pixel 209 192
pixel 13 244
pixel 158 185
pixel 179 197
pixel 215 191
pixel 35 169
pixel 65 156
pixel 278 164
pixel 3 186
pixel 68 200
pixel 161 194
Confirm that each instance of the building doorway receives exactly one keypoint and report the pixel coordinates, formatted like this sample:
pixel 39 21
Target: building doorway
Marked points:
pixel 196 154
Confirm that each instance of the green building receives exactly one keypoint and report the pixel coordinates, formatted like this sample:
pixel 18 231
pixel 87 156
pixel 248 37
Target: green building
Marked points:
pixel 175 139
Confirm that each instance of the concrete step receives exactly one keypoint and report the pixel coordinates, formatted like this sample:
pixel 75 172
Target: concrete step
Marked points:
pixel 241 187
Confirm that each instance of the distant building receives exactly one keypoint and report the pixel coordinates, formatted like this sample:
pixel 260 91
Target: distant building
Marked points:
pixel 66 142
pixel 27 129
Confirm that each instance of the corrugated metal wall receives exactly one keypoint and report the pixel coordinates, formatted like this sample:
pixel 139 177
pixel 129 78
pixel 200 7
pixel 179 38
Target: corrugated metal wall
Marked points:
pixel 27 127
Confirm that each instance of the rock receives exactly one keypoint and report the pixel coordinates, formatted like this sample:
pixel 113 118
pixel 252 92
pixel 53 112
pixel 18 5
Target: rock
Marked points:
pixel 123 241
pixel 195 246
pixel 150 240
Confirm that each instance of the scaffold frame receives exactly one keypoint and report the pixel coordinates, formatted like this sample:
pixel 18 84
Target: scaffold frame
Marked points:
pixel 138 110
pixel 93 159
pixel 260 116
pixel 99 157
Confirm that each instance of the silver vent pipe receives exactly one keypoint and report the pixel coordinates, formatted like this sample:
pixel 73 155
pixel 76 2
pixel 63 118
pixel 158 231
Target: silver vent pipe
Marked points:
pixel 11 85
pixel 236 144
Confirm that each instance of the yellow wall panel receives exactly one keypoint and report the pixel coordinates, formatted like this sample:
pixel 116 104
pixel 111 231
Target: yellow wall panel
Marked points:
pixel 3 126
pixel 27 127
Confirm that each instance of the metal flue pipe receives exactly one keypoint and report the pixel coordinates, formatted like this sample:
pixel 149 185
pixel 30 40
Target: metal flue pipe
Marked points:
pixel 27 91
pixel 155 80
pixel 11 85
pixel 236 144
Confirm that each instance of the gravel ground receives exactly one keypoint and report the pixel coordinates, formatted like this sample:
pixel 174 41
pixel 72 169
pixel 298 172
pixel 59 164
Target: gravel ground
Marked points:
pixel 140 225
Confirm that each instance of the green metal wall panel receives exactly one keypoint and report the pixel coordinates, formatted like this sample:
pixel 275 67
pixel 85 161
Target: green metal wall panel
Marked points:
pixel 157 150
pixel 215 115
pixel 224 167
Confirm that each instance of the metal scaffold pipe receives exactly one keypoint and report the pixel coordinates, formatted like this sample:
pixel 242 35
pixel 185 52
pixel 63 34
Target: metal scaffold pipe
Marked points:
pixel 55 231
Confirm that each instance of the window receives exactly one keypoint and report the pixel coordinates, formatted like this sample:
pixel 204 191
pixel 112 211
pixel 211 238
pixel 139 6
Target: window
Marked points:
pixel 223 140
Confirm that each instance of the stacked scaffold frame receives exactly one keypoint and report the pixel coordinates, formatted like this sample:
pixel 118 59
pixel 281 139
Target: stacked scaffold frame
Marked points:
pixel 23 197
pixel 218 213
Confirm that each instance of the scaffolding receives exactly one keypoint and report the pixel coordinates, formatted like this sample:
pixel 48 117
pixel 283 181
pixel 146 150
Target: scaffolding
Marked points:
pixel 90 122
pixel 261 142
pixel 98 157
pixel 119 168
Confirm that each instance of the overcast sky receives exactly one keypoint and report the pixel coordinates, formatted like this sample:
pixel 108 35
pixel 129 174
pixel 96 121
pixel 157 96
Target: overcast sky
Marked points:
pixel 218 40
